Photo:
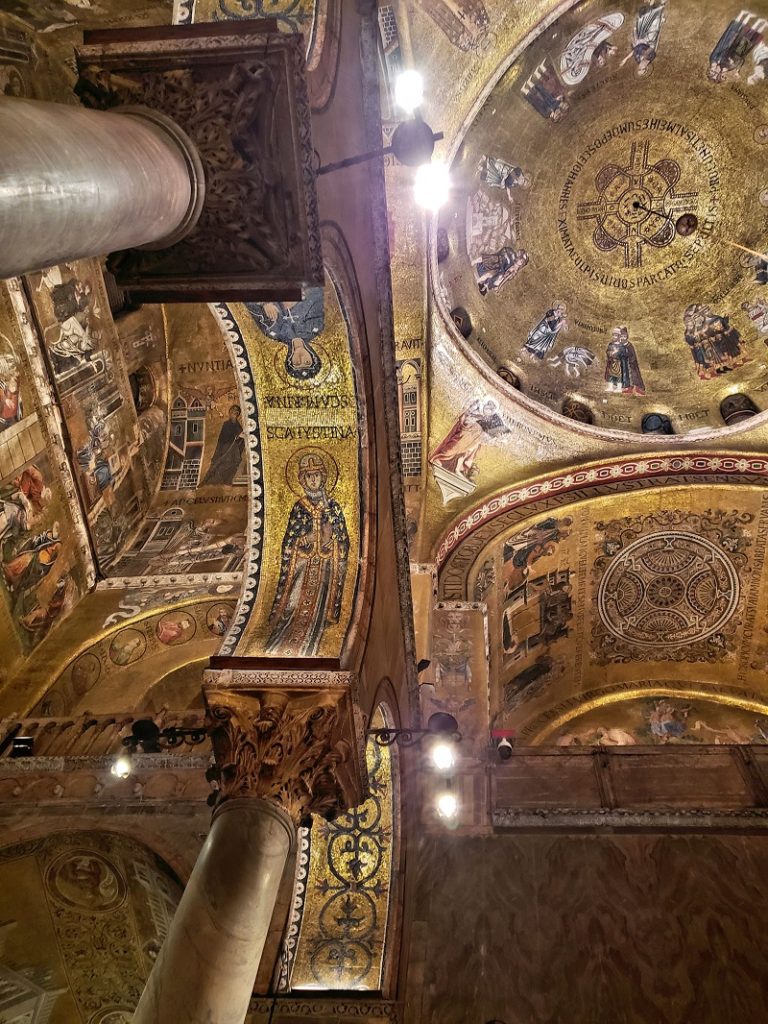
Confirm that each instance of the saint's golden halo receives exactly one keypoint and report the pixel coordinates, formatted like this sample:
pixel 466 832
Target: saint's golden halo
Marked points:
pixel 292 469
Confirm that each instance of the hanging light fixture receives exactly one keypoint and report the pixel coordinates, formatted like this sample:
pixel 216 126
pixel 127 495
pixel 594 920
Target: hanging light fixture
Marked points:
pixel 412 144
pixel 148 737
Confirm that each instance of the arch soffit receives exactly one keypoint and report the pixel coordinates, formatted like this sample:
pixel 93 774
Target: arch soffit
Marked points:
pixel 461 544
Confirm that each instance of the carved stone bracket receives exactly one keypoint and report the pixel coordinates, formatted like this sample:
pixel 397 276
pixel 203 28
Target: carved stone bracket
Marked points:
pixel 289 737
pixel 240 97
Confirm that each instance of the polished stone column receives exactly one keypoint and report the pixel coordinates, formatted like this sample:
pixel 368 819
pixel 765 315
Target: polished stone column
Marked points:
pixel 206 968
pixel 77 183
pixel 287 745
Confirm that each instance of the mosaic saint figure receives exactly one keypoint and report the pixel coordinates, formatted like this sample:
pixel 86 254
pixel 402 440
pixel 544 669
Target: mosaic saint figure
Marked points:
pixel 545 93
pixel 714 344
pixel 645 35
pixel 495 269
pixel 72 301
pixel 293 324
pixel 589 47
pixel 760 62
pixel 458 450
pixel 543 336
pixel 11 410
pixel 313 565
pixel 757 311
pixel 622 372
pixel 522 550
pixel 28 564
pixel 93 460
pixel 668 721
pixel 498 173
pixel 229 450
pixel 734 46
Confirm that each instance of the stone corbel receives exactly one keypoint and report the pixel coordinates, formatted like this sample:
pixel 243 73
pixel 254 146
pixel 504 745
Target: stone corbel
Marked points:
pixel 292 738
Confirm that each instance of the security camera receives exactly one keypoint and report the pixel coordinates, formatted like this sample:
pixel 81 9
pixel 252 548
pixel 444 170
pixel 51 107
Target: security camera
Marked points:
pixel 504 748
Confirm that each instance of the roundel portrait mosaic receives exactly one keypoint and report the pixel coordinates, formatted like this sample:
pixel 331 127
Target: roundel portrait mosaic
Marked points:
pixel 668 589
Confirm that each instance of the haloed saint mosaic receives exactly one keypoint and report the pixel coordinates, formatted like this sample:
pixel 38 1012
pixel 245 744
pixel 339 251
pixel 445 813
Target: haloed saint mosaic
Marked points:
pixel 608 215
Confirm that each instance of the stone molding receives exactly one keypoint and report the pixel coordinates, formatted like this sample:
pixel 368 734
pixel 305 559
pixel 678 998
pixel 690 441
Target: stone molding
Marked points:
pixel 567 819
pixel 322 1010
pixel 291 738
pixel 87 782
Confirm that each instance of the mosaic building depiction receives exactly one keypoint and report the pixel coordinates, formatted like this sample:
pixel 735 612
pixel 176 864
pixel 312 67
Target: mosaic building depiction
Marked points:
pixel 383 511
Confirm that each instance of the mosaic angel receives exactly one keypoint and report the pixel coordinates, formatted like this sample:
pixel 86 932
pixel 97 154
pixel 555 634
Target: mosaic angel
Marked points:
pixel 313 565
pixel 757 311
pixel 495 269
pixel 645 35
pixel 733 47
pixel 622 371
pixel 545 93
pixel 590 46
pixel 295 325
pixel 715 345
pixel 458 450
pixel 498 173
pixel 543 336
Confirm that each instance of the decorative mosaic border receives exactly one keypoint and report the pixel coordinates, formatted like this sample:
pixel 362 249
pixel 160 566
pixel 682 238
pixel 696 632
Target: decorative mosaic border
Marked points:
pixel 326 1009
pixel 255 529
pixel 190 579
pixel 592 476
pixel 51 417
pixel 293 931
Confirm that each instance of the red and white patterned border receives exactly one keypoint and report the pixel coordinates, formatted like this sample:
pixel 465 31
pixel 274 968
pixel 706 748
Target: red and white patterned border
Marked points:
pixel 671 465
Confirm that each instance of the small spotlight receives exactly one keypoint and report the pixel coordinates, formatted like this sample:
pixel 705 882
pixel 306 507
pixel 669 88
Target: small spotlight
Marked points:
pixel 447 805
pixel 432 185
pixel 122 767
pixel 504 748
pixel 22 746
pixel 409 90
pixel 443 755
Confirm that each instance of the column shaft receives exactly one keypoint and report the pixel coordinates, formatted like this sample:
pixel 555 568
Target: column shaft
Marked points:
pixel 77 183
pixel 207 966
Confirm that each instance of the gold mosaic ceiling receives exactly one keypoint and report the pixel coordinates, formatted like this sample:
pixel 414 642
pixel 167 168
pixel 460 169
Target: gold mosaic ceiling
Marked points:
pixel 618 120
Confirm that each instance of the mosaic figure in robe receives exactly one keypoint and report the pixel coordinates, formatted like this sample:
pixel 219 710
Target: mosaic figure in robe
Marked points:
pixel 313 566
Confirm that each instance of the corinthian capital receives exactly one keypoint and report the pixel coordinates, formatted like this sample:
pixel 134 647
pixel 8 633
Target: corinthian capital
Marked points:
pixel 293 738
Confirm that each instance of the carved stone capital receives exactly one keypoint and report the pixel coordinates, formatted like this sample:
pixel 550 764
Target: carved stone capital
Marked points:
pixel 292 738
pixel 238 101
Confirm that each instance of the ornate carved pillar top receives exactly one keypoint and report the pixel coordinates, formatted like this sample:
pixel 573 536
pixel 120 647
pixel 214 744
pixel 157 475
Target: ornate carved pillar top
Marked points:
pixel 238 92
pixel 294 738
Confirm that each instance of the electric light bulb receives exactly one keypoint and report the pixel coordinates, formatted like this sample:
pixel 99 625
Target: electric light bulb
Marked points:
pixel 122 767
pixel 409 90
pixel 432 185
pixel 443 756
pixel 447 805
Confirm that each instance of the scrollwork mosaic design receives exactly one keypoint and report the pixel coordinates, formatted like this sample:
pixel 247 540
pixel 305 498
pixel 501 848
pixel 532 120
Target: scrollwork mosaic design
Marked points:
pixel 342 891
pixel 290 15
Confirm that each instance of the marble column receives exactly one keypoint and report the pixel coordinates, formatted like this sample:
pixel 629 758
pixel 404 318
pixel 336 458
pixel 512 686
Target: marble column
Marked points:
pixel 77 183
pixel 287 745
pixel 207 965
